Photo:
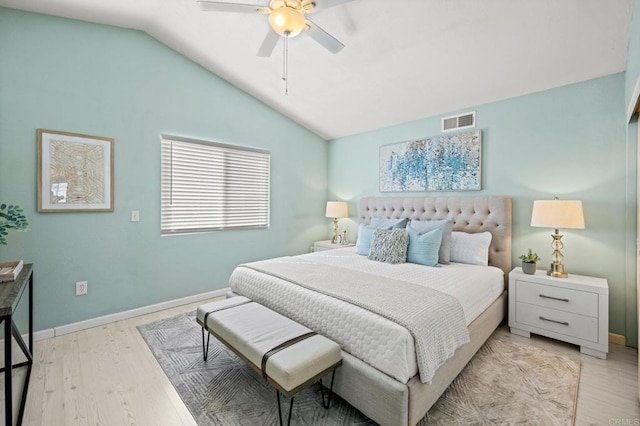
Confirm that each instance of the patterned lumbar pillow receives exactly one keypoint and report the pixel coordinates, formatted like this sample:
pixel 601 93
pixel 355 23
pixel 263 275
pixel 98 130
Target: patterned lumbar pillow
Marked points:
pixel 389 245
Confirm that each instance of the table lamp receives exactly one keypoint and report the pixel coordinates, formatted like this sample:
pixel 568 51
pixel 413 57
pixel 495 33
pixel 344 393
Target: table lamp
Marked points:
pixel 557 214
pixel 336 210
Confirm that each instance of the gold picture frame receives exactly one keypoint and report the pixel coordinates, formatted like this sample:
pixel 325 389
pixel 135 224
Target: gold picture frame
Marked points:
pixel 77 172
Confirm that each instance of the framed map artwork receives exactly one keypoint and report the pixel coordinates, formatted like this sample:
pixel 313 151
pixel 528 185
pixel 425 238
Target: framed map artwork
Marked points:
pixel 75 172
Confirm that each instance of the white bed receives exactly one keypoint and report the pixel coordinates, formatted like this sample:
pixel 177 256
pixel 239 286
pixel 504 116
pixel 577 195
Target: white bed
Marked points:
pixel 379 342
pixel 379 375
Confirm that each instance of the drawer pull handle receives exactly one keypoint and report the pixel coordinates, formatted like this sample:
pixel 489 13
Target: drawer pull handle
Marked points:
pixel 557 322
pixel 554 298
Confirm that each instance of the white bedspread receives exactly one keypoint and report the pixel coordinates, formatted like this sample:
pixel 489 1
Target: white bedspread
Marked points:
pixel 375 340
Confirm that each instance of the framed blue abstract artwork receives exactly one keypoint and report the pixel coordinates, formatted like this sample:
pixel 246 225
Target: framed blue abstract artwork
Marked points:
pixel 439 163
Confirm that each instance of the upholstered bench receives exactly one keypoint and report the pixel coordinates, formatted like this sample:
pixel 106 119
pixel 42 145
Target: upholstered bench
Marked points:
pixel 287 354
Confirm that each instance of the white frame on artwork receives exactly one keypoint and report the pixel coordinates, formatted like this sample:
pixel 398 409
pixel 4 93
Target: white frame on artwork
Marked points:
pixel 99 177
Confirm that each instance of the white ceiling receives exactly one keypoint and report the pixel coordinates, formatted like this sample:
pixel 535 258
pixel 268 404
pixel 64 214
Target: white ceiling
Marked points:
pixel 403 60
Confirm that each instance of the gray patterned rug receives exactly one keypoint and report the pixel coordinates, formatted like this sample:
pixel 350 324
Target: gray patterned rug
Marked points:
pixel 508 382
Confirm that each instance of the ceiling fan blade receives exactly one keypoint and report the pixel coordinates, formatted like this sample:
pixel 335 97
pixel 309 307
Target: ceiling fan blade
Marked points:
pixel 324 38
pixel 324 4
pixel 268 44
pixel 218 6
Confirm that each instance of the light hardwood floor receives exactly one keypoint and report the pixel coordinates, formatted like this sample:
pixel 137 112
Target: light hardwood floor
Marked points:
pixel 108 376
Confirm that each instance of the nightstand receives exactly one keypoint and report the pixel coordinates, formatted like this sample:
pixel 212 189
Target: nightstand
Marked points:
pixel 573 309
pixel 326 245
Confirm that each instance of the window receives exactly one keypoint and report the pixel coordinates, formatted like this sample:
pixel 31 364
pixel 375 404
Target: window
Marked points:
pixel 208 186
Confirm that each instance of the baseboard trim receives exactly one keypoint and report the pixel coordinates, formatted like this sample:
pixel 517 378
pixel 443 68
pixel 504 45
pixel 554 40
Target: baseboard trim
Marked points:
pixel 617 339
pixel 40 335
pixel 118 316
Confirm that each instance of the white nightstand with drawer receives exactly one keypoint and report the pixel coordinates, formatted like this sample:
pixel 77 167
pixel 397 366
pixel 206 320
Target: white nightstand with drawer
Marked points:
pixel 573 309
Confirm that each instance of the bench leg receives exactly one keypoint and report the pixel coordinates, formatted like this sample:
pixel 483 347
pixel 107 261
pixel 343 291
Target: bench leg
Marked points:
pixel 328 400
pixel 205 350
pixel 280 409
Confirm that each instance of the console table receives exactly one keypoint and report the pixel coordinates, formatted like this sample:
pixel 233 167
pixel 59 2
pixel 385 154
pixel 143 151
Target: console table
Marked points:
pixel 10 294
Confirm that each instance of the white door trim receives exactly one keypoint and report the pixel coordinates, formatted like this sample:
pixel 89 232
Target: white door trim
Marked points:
pixel 634 101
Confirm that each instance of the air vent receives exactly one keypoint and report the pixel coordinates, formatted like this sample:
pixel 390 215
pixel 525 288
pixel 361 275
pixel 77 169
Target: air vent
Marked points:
pixel 462 121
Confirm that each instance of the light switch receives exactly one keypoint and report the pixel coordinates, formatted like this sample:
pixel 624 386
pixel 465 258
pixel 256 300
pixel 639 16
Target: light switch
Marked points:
pixel 135 216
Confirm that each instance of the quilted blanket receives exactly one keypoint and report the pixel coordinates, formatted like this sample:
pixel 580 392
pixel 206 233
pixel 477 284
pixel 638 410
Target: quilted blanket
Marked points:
pixel 435 319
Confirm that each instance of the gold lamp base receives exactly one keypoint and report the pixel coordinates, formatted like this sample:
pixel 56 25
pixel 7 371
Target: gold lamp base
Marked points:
pixel 334 240
pixel 557 270
pixel 557 267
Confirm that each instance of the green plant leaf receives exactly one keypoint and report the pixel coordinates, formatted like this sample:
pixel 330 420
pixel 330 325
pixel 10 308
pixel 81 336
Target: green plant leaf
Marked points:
pixel 13 218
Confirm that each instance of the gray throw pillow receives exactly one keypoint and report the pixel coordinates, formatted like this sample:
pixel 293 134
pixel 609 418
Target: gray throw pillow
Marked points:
pixel 389 246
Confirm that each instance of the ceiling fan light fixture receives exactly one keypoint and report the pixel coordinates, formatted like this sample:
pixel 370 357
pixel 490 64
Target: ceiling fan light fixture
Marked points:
pixel 287 21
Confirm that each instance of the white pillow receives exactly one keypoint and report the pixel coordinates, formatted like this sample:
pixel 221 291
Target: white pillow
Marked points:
pixel 470 248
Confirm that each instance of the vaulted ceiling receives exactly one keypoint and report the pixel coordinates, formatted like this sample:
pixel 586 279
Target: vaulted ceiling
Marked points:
pixel 403 60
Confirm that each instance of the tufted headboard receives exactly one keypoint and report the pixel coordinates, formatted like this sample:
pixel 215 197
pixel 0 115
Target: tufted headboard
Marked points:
pixel 470 214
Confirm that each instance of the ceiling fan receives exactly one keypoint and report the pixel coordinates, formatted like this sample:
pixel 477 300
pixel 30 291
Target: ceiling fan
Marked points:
pixel 287 18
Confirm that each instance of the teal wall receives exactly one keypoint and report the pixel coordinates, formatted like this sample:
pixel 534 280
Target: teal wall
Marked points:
pixel 73 76
pixel 568 142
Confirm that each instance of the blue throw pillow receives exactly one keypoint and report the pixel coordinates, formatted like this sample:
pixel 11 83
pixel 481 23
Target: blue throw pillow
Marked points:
pixel 446 226
pixel 424 248
pixel 381 222
pixel 365 235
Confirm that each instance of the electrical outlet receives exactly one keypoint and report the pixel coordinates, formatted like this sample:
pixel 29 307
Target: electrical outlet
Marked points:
pixel 81 288
pixel 135 216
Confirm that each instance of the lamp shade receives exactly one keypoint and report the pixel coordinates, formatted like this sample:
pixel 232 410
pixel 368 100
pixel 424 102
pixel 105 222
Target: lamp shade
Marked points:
pixel 336 209
pixel 557 214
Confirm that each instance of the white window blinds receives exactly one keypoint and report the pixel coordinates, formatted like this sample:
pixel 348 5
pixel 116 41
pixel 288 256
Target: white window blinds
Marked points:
pixel 209 186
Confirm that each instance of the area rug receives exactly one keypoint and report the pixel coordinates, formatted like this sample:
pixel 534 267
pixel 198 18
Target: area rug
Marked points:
pixel 508 382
